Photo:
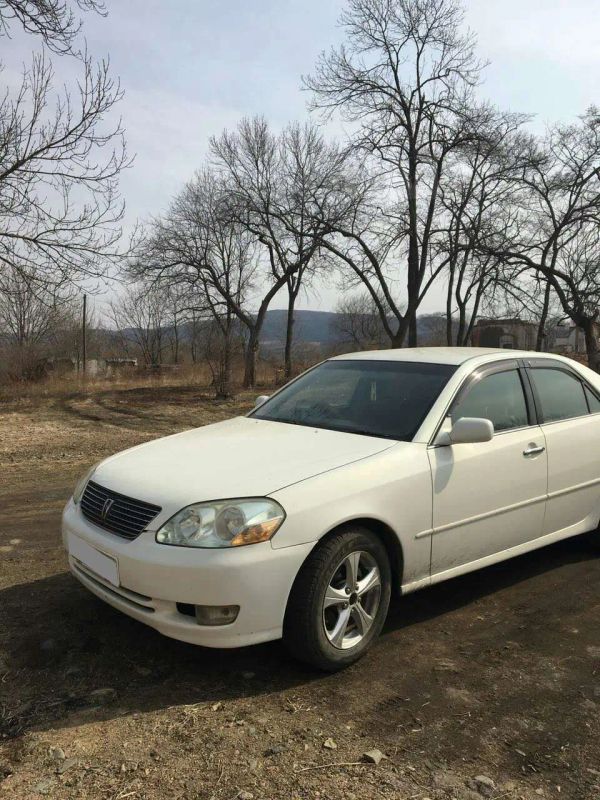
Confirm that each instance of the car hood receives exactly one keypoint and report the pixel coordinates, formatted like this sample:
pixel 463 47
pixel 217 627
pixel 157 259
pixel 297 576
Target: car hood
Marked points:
pixel 241 457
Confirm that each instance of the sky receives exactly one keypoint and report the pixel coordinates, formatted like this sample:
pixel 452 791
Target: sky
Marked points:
pixel 190 68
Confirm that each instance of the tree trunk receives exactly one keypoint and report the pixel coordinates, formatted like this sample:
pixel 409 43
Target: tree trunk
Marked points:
pixel 399 337
pixel 413 249
pixel 541 331
pixel 449 337
pixel 461 333
pixel 176 347
pixel 289 337
pixel 250 358
pixel 224 385
pixel 254 339
pixel 412 329
pixel 591 344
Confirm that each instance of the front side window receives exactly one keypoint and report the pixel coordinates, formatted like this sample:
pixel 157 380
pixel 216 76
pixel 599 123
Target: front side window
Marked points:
pixel 560 394
pixel 388 399
pixel 498 397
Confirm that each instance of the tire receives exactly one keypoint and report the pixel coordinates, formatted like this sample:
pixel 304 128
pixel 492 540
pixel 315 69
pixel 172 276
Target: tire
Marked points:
pixel 333 636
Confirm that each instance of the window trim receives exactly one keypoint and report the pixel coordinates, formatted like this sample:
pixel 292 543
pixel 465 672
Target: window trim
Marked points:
pixel 589 390
pixel 484 371
pixel 558 366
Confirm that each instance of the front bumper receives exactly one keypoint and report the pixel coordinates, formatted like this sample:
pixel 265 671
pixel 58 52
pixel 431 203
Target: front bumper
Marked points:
pixel 153 578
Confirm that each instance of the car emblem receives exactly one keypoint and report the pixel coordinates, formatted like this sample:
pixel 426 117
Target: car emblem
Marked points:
pixel 108 504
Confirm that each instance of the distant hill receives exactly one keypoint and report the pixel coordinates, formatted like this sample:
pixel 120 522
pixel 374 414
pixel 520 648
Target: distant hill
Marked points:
pixel 318 327
pixel 309 326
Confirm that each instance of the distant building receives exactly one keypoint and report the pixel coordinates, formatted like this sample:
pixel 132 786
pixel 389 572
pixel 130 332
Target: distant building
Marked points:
pixel 516 334
pixel 110 366
pixel 508 334
pixel 94 367
pixel 566 339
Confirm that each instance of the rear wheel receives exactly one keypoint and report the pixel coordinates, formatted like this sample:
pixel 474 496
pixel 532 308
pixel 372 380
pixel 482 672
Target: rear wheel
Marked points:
pixel 339 600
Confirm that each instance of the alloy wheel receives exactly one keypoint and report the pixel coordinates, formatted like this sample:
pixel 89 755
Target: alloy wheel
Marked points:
pixel 351 600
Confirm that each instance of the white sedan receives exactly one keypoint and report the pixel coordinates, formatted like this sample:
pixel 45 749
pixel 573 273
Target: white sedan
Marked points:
pixel 369 473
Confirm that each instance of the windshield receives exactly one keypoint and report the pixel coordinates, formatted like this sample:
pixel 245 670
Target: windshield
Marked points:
pixel 388 399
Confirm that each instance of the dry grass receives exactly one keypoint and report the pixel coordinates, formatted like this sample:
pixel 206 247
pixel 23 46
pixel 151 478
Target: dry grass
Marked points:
pixel 184 375
pixel 80 427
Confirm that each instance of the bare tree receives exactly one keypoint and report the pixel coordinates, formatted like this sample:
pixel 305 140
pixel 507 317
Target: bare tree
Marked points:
pixel 139 318
pixel 54 21
pixel 222 341
pixel 477 196
pixel 60 211
pixel 276 186
pixel 195 324
pixel 208 258
pixel 358 323
pixel 358 240
pixel 253 214
pixel 175 305
pixel 68 340
pixel 555 236
pixel 406 75
pixel 248 160
pixel 31 319
pixel 307 164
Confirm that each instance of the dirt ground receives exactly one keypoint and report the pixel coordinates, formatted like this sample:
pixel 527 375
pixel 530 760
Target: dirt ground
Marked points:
pixel 485 686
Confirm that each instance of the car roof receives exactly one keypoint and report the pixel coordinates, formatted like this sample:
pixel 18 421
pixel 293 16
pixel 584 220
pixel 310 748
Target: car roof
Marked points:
pixel 440 355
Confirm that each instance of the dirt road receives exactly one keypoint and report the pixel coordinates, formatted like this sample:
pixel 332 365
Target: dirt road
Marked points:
pixel 486 686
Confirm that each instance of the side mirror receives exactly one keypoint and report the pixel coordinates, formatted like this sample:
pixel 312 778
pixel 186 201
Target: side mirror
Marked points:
pixel 262 398
pixel 468 430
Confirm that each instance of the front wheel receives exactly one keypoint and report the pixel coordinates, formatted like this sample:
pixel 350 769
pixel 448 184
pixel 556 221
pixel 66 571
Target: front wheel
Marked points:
pixel 339 600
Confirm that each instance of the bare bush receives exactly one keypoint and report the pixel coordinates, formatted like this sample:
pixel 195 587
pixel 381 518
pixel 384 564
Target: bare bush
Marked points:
pixel 32 324
pixel 358 323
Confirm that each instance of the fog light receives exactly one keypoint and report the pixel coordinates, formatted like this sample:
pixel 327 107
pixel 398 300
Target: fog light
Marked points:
pixel 216 615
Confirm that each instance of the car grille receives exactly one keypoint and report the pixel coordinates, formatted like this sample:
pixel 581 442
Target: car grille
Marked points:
pixel 116 513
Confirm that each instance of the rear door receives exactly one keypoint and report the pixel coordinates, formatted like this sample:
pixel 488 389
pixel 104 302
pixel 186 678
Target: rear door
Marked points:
pixel 489 497
pixel 569 411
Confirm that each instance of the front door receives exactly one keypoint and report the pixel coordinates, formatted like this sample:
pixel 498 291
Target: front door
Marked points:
pixel 489 497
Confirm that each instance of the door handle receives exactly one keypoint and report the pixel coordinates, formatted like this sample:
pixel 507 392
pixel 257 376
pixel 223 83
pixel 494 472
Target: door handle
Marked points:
pixel 533 450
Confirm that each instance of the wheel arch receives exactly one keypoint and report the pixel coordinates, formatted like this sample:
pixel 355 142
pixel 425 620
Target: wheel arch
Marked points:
pixel 390 541
pixel 384 533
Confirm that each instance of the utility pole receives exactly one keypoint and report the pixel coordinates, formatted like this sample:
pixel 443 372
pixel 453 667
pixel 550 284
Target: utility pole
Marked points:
pixel 83 332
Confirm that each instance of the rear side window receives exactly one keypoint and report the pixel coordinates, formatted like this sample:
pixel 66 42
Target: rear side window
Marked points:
pixel 498 397
pixel 560 394
pixel 593 401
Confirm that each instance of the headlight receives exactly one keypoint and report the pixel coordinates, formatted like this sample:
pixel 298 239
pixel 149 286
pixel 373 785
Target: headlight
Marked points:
pixel 82 483
pixel 226 523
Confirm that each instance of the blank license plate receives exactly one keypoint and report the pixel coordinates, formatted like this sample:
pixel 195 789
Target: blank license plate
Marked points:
pixel 104 566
